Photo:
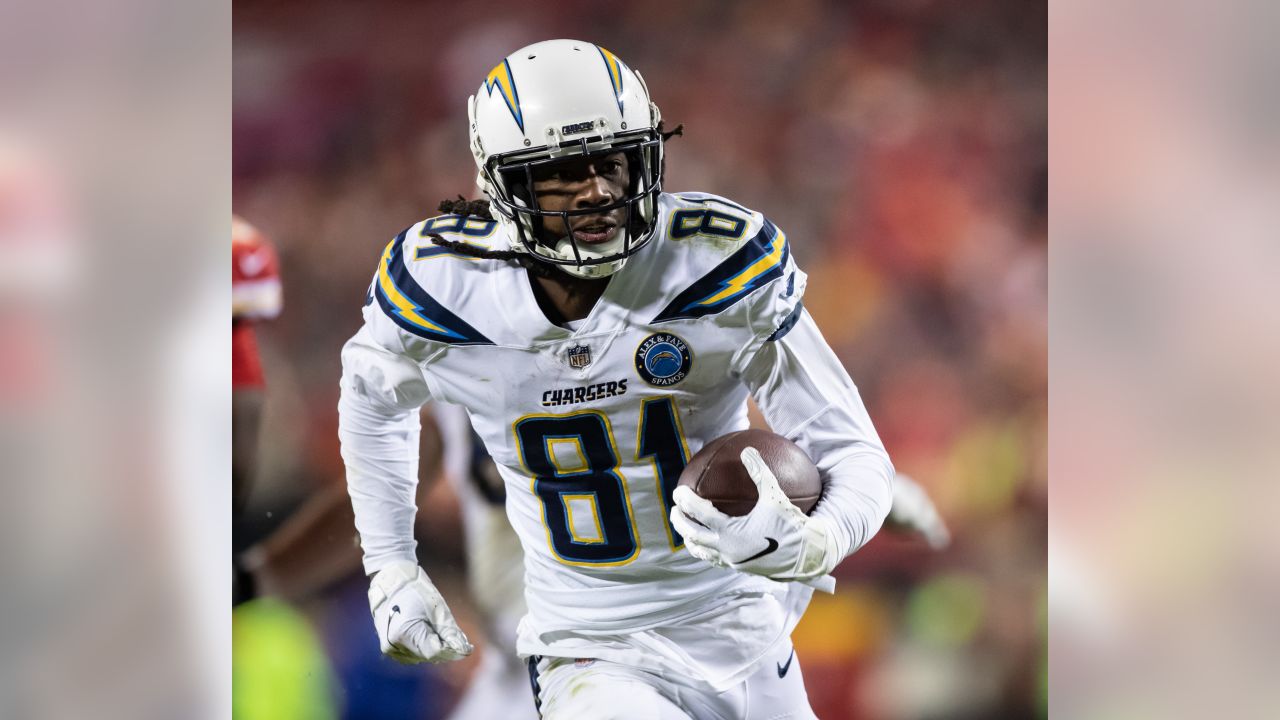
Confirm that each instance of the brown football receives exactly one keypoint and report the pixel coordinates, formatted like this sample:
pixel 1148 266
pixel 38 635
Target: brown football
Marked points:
pixel 717 474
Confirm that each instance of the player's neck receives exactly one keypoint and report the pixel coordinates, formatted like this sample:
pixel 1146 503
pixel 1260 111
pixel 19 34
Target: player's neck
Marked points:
pixel 564 298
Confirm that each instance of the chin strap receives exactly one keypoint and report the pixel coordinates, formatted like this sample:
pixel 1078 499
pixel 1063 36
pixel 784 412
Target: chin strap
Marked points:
pixel 592 272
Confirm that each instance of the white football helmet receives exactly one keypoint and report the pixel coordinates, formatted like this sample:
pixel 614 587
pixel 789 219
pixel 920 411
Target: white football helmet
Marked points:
pixel 558 99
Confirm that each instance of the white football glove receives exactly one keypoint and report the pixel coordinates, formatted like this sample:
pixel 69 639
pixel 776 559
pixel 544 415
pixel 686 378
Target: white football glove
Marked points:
pixel 414 624
pixel 775 539
pixel 914 512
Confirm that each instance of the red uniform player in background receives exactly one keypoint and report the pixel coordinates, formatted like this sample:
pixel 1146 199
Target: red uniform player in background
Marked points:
pixel 315 545
pixel 255 296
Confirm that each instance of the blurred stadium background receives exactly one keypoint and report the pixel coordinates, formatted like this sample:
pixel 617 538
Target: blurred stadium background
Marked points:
pixel 902 145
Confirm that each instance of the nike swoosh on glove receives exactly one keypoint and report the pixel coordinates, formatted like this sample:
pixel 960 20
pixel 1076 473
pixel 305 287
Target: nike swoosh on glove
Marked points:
pixel 413 622
pixel 775 539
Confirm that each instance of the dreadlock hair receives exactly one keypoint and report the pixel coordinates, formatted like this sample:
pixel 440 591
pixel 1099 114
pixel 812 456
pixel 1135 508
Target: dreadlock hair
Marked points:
pixel 464 207
pixel 679 130
pixel 480 209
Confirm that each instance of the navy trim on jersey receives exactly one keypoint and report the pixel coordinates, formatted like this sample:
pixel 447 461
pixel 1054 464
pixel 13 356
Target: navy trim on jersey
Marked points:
pixel 758 262
pixel 410 307
pixel 787 324
pixel 478 469
pixel 532 662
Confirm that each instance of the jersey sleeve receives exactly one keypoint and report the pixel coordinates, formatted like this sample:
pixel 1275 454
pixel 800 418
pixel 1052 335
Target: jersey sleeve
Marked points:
pixel 383 385
pixel 805 395
pixel 773 308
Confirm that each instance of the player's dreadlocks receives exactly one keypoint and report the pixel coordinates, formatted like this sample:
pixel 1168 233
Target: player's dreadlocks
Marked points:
pixel 480 209
pixel 678 131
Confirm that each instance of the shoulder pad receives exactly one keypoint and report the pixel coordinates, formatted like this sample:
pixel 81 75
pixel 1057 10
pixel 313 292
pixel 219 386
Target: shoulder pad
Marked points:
pixel 752 252
pixel 406 302
pixel 457 228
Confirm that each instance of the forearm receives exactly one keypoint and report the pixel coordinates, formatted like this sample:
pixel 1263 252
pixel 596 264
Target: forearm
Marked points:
pixel 856 495
pixel 380 451
pixel 806 395
pixel 378 425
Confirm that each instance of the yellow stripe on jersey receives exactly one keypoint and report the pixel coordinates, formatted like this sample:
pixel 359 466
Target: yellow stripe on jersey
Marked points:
pixel 739 282
pixel 405 307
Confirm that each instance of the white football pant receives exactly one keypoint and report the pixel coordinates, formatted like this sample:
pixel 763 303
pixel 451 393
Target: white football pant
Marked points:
pixel 571 689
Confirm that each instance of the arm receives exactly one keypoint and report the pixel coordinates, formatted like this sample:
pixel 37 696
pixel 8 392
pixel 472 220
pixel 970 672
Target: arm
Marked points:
pixel 913 511
pixel 378 424
pixel 805 394
pixel 381 392
pixel 801 370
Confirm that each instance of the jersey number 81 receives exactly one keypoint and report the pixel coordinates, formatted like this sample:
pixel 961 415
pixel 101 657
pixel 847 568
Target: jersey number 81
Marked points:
pixel 594 481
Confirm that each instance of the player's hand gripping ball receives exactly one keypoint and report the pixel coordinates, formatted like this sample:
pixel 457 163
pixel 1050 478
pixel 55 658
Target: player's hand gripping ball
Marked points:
pixel 736 509
pixel 717 473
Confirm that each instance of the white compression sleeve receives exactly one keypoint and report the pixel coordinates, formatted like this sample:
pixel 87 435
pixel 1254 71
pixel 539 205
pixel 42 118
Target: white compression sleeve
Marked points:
pixel 378 424
pixel 806 396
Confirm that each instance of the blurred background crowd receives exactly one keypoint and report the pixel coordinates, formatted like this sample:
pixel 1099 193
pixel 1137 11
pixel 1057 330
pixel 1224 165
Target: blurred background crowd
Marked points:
pixel 901 145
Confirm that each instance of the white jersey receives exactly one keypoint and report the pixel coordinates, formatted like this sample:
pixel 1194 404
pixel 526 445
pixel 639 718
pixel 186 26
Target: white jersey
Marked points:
pixel 591 427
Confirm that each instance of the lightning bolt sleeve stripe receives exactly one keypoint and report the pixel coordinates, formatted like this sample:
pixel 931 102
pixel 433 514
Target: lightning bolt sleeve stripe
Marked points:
pixel 759 261
pixel 408 305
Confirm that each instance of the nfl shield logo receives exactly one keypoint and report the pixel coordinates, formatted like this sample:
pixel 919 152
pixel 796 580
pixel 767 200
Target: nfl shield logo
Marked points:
pixel 579 356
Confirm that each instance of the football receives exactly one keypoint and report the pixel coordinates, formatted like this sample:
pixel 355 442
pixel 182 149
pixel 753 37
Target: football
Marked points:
pixel 716 472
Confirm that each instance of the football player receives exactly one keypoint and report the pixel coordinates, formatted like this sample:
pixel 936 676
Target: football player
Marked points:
pixel 309 552
pixel 255 296
pixel 599 331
